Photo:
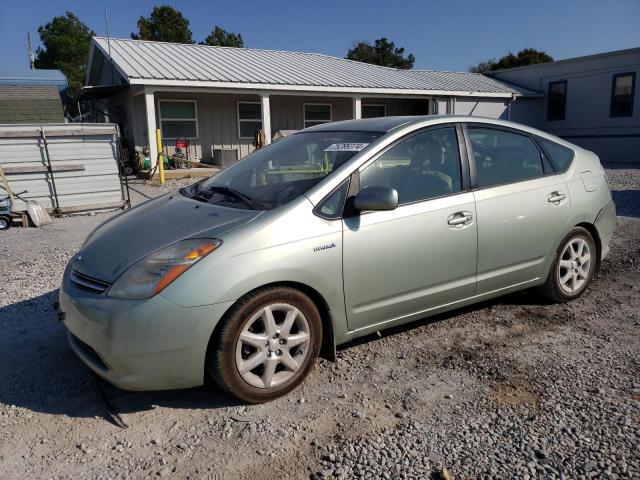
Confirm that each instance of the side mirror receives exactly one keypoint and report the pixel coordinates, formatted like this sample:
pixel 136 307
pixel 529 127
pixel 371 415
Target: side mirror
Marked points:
pixel 376 198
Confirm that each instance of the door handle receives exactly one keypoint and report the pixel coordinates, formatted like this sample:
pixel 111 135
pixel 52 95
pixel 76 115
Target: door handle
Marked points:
pixel 459 219
pixel 556 197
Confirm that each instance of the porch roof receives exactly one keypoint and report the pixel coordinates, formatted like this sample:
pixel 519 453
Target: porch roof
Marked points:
pixel 171 64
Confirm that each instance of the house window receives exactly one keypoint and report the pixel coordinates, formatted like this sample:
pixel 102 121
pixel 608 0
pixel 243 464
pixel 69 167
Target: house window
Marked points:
pixel 249 119
pixel 316 114
pixel 622 92
pixel 557 100
pixel 178 118
pixel 372 111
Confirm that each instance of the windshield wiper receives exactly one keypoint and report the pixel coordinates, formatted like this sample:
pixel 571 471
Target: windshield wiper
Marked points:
pixel 197 193
pixel 248 201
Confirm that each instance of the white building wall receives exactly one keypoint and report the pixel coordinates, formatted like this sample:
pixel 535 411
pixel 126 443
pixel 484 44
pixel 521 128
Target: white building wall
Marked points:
pixel 481 107
pixel 587 121
pixel 528 111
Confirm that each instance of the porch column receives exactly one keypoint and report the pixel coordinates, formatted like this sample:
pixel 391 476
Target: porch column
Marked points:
pixel 150 105
pixel 266 118
pixel 357 107
pixel 434 106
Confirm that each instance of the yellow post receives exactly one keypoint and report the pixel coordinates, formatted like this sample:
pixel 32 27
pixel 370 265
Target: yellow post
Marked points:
pixel 160 157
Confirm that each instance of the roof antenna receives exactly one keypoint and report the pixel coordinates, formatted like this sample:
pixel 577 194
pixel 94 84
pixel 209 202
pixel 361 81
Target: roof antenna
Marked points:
pixel 106 26
pixel 31 57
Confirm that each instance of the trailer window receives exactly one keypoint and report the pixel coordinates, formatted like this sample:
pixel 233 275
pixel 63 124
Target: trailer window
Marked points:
pixel 557 100
pixel 622 92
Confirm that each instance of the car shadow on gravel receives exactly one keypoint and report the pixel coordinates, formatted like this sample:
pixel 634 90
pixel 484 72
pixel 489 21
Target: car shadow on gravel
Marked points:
pixel 522 298
pixel 627 202
pixel 40 372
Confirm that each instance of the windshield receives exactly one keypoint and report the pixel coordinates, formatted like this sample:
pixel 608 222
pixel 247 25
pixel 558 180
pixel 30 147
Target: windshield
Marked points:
pixel 283 171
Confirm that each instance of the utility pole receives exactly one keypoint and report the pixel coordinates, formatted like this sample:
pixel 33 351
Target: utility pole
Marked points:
pixel 106 27
pixel 31 58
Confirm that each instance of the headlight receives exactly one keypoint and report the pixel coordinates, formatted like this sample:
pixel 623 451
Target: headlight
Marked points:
pixel 153 274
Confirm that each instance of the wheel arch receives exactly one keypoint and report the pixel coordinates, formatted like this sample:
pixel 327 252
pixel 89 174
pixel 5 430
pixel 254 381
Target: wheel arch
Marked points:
pixel 591 228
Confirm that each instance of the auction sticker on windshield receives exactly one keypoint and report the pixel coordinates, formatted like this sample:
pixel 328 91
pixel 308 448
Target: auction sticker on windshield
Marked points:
pixel 346 147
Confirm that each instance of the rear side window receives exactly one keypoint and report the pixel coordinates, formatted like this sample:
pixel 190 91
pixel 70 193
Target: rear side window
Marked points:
pixel 504 157
pixel 559 156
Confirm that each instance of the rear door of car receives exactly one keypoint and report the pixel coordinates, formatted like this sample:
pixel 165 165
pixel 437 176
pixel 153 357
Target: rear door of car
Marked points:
pixel 521 206
pixel 403 263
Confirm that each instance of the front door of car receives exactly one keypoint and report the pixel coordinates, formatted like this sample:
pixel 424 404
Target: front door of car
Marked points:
pixel 403 263
pixel 521 208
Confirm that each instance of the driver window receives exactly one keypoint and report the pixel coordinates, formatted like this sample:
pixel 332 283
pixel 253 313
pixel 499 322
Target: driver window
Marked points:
pixel 424 166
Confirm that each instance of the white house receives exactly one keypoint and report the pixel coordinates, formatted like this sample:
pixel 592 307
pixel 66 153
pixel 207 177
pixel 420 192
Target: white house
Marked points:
pixel 591 101
pixel 218 97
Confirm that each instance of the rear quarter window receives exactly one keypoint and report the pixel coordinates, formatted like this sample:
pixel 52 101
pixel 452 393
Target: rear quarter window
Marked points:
pixel 559 156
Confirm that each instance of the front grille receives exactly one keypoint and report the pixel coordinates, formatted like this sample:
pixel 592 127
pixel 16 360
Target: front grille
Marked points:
pixel 91 354
pixel 88 283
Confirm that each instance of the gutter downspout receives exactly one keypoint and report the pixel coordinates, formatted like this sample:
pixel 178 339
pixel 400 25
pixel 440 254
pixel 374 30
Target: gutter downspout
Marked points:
pixel 513 99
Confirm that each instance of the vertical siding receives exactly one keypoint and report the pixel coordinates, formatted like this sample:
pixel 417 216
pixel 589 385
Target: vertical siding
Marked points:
pixel 96 186
pixel 218 117
pixel 217 123
pixel 441 106
pixel 287 111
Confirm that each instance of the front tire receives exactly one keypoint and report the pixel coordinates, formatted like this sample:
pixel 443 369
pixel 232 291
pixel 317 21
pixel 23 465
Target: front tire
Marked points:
pixel 267 344
pixel 573 267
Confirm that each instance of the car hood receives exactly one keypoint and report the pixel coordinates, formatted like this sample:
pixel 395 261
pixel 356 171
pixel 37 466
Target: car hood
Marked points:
pixel 128 238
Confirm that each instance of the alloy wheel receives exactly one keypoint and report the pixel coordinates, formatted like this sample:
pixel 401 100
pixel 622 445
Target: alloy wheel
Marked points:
pixel 272 345
pixel 574 265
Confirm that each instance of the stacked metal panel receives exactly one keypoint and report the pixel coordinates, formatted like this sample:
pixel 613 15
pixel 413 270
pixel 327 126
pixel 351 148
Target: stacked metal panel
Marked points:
pixel 83 161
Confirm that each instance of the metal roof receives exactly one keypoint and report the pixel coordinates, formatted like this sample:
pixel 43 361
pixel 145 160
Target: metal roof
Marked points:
pixel 593 56
pixel 174 64
pixel 33 77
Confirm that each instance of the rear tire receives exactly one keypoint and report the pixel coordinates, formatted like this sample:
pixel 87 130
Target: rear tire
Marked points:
pixel 572 268
pixel 5 222
pixel 267 344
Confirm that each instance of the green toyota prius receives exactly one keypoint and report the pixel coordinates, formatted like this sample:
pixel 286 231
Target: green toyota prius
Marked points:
pixel 332 233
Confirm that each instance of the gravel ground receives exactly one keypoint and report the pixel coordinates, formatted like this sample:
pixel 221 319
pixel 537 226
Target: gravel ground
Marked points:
pixel 510 388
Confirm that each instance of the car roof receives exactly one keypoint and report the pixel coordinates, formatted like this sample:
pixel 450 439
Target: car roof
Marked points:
pixel 387 124
pixel 378 124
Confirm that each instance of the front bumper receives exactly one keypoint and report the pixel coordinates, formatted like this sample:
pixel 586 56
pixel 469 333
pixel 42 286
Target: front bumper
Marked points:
pixel 150 344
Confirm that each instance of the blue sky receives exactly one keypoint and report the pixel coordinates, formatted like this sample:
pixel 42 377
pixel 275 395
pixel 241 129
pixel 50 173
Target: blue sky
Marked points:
pixel 443 35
